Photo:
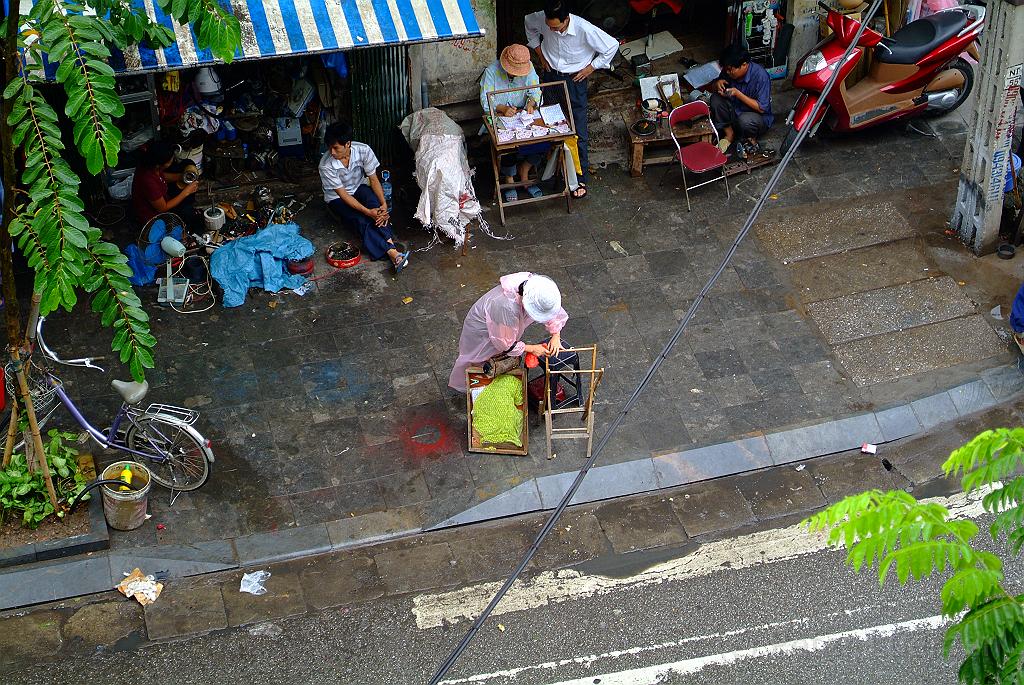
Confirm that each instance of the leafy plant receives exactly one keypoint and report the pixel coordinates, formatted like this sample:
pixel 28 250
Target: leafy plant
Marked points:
pixel 24 492
pixel 892 531
pixel 46 215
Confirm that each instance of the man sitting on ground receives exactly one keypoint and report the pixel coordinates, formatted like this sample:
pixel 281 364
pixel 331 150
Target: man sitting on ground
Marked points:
pixel 741 101
pixel 352 190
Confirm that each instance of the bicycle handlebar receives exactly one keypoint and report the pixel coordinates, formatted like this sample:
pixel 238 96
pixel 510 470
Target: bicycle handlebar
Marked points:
pixel 86 362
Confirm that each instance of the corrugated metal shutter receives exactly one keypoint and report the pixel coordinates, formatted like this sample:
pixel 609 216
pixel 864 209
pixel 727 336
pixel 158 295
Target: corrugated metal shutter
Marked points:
pixel 380 98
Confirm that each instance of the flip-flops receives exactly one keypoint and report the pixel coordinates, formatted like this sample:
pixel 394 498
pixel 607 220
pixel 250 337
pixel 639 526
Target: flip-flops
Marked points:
pixel 580 192
pixel 534 191
pixel 510 195
pixel 404 262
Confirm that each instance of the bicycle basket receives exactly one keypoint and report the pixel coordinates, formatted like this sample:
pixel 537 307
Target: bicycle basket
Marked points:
pixel 43 394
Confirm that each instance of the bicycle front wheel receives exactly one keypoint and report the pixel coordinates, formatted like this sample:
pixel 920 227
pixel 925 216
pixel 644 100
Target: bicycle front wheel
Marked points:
pixel 186 467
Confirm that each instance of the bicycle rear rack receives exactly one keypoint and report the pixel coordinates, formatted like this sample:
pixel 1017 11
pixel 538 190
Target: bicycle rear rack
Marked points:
pixel 188 416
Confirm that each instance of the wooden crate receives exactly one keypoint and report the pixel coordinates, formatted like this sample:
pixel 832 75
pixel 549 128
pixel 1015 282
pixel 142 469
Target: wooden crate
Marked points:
pixel 475 378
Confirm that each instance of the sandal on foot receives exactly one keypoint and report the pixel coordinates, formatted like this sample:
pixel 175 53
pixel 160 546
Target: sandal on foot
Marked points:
pixel 534 191
pixel 510 195
pixel 580 192
pixel 401 262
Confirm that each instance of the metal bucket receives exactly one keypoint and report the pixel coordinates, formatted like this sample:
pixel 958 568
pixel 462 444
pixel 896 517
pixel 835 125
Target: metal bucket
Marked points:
pixel 126 510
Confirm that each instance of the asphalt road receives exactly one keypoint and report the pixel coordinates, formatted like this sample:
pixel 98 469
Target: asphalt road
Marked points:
pixel 783 610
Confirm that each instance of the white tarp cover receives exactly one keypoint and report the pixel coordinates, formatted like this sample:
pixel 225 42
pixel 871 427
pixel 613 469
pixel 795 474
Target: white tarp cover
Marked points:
pixel 448 202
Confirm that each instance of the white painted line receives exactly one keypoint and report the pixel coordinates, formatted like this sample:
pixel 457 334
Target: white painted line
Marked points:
pixel 590 660
pixel 553 587
pixel 657 674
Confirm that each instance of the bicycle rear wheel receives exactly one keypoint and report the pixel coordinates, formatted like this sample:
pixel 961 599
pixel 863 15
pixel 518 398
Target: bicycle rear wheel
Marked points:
pixel 187 467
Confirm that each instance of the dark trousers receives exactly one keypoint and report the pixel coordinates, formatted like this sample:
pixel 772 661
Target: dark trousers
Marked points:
pixel 578 103
pixel 745 124
pixel 375 240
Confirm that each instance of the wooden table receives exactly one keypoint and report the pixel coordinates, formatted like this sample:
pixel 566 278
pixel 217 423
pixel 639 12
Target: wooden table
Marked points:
pixel 686 135
pixel 499 149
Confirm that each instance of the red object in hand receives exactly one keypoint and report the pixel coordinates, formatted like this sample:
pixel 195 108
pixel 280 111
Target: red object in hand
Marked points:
pixel 531 360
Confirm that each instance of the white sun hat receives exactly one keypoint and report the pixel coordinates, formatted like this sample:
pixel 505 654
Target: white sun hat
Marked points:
pixel 541 298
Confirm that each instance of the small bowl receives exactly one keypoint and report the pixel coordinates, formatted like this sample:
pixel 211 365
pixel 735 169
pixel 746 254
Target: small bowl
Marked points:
pixel 1006 251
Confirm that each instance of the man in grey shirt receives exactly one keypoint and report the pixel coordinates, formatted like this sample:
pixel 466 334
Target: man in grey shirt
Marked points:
pixel 352 191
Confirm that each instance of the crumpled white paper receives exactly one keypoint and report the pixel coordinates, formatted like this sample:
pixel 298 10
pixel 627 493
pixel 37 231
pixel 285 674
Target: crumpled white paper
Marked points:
pixel 253 582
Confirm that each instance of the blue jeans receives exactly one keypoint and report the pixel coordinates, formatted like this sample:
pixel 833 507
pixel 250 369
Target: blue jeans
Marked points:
pixel 1017 313
pixel 375 240
pixel 578 103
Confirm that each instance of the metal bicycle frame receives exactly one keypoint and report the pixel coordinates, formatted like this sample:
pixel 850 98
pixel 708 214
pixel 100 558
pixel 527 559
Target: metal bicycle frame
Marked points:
pixel 109 439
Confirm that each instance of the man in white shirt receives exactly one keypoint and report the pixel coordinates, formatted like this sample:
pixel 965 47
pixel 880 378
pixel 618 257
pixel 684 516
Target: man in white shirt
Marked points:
pixel 352 191
pixel 570 48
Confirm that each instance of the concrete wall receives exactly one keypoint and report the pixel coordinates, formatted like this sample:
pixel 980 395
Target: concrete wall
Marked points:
pixel 451 70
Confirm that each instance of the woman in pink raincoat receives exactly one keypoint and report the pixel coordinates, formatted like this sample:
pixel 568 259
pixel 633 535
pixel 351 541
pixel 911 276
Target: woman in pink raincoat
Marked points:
pixel 497 321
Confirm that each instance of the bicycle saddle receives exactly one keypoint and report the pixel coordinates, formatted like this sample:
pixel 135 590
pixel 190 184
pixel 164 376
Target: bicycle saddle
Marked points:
pixel 130 391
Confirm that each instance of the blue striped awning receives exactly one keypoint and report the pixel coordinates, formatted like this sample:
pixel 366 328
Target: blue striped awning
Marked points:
pixel 278 28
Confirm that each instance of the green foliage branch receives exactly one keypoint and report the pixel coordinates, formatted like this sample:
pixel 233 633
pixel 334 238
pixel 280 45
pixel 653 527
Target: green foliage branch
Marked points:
pixel 893 531
pixel 49 221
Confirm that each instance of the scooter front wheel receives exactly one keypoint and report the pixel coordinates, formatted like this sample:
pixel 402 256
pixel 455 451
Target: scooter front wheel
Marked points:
pixel 788 141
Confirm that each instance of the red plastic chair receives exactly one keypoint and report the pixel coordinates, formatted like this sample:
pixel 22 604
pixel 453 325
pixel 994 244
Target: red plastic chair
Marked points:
pixel 701 157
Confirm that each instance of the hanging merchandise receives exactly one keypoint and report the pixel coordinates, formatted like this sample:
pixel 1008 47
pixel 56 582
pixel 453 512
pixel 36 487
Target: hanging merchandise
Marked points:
pixel 302 92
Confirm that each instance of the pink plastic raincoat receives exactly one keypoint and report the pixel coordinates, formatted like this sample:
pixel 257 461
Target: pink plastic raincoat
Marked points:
pixel 494 325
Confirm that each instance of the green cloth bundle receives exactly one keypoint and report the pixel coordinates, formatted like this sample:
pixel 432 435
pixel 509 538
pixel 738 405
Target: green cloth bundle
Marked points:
pixel 496 416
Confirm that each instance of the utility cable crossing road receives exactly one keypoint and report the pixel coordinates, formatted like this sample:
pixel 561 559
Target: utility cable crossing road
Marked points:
pixel 769 606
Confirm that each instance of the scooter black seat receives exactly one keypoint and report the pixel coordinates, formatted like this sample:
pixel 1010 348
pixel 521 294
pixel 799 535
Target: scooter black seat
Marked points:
pixel 918 38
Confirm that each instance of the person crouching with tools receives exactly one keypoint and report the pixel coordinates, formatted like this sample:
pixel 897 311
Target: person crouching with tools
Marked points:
pixel 152 194
pixel 741 102
pixel 498 320
pixel 353 193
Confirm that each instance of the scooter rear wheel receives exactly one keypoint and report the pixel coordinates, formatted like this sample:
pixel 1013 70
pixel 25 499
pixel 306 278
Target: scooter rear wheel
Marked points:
pixel 965 68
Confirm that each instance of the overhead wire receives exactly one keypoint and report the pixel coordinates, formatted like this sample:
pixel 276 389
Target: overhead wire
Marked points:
pixel 787 157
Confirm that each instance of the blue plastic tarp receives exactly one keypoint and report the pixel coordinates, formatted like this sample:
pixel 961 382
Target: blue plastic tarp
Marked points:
pixel 259 261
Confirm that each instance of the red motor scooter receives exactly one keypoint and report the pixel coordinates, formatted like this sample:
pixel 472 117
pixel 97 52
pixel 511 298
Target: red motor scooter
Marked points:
pixel 917 71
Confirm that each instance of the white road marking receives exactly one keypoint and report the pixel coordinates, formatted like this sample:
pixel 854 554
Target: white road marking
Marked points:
pixel 553 587
pixel 615 654
pixel 657 674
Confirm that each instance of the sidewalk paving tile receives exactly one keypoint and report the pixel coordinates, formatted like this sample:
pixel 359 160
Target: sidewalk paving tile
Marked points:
pixel 104 624
pixel 284 597
pixel 576 538
pixel 713 461
pixel 711 507
pixel 418 568
pixel 935 409
pixel 889 309
pixel 846 474
pixel 26 637
pixel 823 438
pixel 777 492
pixel 632 525
pixel 340 579
pixel 282 544
pixel 185 609
pixel 49 581
pixel 483 556
pixel 522 498
pixel 601 482
pixel 1004 381
pixel 897 422
pixel 177 560
pixel 971 397
pixel 377 525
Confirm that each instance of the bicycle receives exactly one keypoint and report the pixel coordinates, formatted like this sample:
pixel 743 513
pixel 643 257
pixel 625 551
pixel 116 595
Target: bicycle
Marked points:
pixel 178 456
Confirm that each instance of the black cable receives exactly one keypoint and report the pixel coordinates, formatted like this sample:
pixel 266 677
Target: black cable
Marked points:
pixel 779 170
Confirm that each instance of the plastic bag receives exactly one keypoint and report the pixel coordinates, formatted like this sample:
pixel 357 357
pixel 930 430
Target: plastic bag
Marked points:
pixel 253 582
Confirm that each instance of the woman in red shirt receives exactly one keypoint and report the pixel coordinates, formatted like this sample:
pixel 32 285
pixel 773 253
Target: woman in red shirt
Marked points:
pixel 150 193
